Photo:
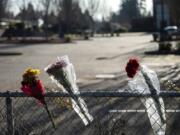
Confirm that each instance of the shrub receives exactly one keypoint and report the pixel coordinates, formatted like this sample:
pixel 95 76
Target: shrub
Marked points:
pixel 121 30
pixel 165 47
pixel 86 37
pixel 117 34
pixel 67 39
pixel 178 47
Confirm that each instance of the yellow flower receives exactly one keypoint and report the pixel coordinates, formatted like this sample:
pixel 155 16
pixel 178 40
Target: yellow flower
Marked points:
pixel 31 72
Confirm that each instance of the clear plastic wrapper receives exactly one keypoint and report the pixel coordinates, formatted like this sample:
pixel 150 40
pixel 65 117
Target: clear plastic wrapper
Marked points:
pixel 63 74
pixel 146 81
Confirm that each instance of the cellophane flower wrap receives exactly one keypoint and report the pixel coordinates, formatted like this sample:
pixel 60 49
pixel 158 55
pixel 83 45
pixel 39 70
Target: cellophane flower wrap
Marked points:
pixel 63 74
pixel 33 87
pixel 145 81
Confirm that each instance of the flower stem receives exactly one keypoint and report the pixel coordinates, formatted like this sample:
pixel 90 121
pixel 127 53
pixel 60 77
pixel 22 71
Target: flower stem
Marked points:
pixel 50 115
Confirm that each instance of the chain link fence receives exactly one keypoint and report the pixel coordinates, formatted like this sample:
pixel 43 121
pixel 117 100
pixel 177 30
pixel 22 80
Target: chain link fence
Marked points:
pixel 115 113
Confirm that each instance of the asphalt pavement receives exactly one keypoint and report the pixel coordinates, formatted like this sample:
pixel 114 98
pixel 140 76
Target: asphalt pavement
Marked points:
pixel 97 56
pixel 99 64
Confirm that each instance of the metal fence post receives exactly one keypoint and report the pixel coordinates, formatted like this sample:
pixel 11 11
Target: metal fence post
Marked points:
pixel 9 113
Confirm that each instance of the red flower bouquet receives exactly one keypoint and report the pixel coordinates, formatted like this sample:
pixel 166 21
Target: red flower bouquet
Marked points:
pixel 33 87
pixel 36 90
pixel 145 81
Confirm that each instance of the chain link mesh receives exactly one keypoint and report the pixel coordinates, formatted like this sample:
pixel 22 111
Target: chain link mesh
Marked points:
pixel 112 116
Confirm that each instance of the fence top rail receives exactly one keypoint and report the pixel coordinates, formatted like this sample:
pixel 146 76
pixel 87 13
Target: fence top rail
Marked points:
pixel 95 94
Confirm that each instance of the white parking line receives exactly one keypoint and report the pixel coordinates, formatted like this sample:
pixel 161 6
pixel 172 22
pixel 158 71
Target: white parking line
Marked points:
pixel 140 111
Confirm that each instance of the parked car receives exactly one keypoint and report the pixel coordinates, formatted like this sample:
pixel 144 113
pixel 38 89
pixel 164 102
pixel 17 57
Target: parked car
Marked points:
pixel 168 33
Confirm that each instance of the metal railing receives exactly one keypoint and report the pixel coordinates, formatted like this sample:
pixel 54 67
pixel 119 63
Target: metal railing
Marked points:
pixel 119 93
pixel 13 98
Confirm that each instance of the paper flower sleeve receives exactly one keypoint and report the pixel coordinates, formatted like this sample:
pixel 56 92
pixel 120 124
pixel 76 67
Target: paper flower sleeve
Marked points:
pixel 62 73
pixel 139 84
pixel 145 80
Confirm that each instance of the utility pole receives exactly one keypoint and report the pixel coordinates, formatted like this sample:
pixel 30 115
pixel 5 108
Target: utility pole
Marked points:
pixel 162 35
pixel 162 15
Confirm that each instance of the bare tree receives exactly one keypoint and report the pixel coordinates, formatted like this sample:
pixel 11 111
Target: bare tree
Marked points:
pixel 23 9
pixel 67 10
pixel 27 12
pixel 105 10
pixel 3 6
pixel 46 9
pixel 93 6
pixel 142 7
pixel 32 13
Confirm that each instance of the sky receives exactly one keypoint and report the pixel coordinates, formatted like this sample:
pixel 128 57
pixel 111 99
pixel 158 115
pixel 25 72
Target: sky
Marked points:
pixel 111 6
pixel 114 4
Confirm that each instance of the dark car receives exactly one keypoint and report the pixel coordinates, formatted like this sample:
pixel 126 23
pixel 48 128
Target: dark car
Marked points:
pixel 169 33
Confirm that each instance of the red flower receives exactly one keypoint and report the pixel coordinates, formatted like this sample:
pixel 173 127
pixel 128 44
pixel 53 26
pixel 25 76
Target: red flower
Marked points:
pixel 132 67
pixel 36 90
